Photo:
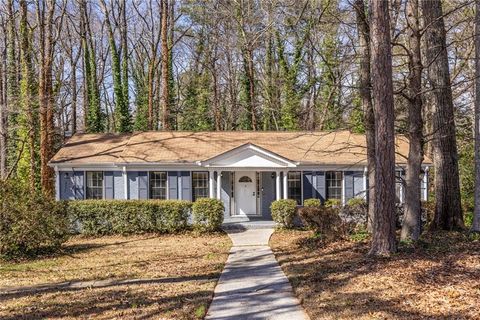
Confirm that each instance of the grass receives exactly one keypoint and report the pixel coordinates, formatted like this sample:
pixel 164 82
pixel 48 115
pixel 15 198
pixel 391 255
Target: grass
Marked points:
pixel 178 274
pixel 437 278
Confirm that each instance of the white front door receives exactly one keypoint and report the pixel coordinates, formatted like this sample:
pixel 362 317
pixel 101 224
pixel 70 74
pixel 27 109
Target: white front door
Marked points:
pixel 245 191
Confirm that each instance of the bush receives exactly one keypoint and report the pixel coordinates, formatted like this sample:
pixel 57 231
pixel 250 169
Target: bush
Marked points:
pixel 29 223
pixel 333 203
pixel 101 217
pixel 355 213
pixel 312 202
pixel 325 221
pixel 283 212
pixel 207 214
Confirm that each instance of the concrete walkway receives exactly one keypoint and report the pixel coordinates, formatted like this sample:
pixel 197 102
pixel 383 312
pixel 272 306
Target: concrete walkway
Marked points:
pixel 252 285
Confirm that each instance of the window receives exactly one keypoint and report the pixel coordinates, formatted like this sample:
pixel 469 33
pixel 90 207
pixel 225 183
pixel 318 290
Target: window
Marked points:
pixel 199 185
pixel 245 179
pixel 334 185
pixel 94 185
pixel 158 185
pixel 295 186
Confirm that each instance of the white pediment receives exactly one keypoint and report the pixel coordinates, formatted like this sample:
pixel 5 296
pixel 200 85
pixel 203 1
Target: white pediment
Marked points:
pixel 249 156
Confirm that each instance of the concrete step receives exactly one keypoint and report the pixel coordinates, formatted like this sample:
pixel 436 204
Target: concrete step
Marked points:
pixel 249 224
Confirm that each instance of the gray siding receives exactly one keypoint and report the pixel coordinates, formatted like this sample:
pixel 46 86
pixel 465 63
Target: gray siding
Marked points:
pixel 67 185
pixel 118 185
pixel 319 184
pixel 268 193
pixel 172 184
pixel 142 185
pixel 186 185
pixel 358 190
pixel 132 177
pixel 108 184
pixel 308 189
pixel 79 185
pixel 348 177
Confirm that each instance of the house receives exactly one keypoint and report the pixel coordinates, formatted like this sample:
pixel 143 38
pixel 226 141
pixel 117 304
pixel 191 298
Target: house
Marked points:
pixel 246 170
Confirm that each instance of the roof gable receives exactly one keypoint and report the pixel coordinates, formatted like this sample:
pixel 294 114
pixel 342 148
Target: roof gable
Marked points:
pixel 249 156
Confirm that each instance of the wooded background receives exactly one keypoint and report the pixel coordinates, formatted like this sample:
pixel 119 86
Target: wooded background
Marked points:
pixel 119 66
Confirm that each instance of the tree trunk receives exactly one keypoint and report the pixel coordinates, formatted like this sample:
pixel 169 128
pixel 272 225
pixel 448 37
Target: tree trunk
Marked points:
pixel 11 90
pixel 366 96
pixel 383 242
pixel 47 129
pixel 251 89
pixel 448 211
pixel 29 131
pixel 124 46
pixel 151 79
pixel 476 211
pixel 73 64
pixel 165 68
pixel 3 126
pixel 411 227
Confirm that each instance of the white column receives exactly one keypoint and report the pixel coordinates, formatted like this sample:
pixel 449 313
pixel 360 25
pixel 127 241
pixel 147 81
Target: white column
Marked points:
pixel 219 184
pixel 425 184
pixel 125 182
pixel 277 185
pixel 211 186
pixel 365 176
pixel 401 186
pixel 57 184
pixel 343 188
pixel 285 185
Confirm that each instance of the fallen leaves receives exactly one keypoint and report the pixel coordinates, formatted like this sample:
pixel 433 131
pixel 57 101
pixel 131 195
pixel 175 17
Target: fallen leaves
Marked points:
pixel 439 278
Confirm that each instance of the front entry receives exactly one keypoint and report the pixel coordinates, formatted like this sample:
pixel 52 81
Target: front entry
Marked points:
pixel 245 190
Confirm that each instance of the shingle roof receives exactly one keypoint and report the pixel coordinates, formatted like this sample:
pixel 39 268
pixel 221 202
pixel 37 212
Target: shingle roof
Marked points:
pixel 335 147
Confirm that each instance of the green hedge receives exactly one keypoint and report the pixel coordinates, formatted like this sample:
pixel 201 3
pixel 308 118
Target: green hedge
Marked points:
pixel 29 223
pixel 101 217
pixel 312 202
pixel 207 214
pixel 283 212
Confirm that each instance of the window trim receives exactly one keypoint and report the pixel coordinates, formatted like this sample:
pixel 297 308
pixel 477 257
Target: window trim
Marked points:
pixel 341 180
pixel 85 184
pixel 166 184
pixel 192 186
pixel 300 181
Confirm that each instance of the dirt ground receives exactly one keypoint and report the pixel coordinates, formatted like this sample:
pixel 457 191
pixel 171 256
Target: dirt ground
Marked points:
pixel 437 279
pixel 176 278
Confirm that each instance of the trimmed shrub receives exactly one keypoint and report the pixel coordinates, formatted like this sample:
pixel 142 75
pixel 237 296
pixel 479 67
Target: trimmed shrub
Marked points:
pixel 325 221
pixel 101 217
pixel 333 203
pixel 29 223
pixel 207 214
pixel 283 212
pixel 312 202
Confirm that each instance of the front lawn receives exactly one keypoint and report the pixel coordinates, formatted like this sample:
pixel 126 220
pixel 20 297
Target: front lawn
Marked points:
pixel 439 279
pixel 175 276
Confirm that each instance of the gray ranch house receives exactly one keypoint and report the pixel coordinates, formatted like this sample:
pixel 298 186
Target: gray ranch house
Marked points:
pixel 246 170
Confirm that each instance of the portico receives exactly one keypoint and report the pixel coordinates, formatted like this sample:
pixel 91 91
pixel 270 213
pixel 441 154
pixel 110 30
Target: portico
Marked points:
pixel 247 179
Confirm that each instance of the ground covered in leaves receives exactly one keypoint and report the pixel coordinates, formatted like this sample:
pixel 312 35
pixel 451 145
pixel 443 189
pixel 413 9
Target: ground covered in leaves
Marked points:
pixel 176 277
pixel 437 279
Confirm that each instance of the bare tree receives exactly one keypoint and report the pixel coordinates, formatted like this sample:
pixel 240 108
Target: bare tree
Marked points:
pixel 165 68
pixel 448 211
pixel 366 96
pixel 411 227
pixel 383 242
pixel 476 213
